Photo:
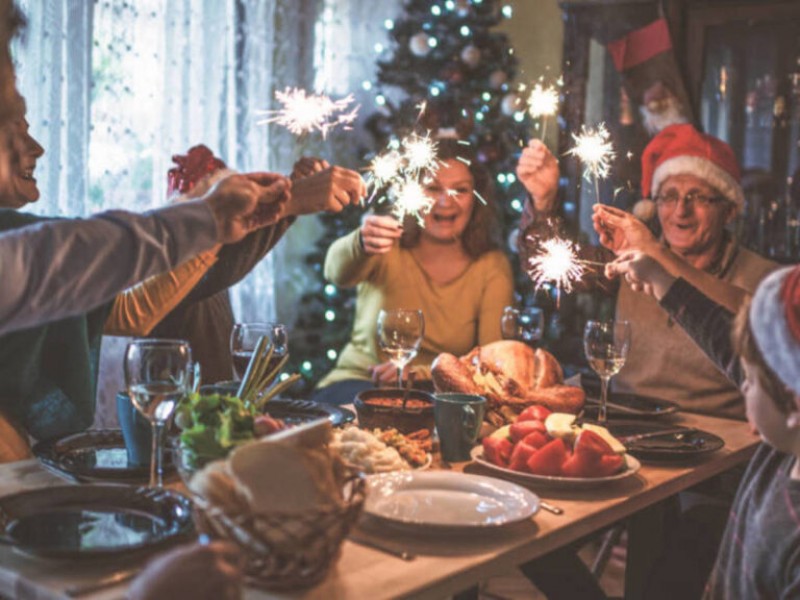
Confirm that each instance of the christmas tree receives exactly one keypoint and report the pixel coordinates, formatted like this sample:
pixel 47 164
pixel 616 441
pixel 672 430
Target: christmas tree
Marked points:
pixel 449 73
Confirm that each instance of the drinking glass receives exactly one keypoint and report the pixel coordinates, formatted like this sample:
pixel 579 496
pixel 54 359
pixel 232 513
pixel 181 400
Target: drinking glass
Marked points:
pixel 158 374
pixel 400 334
pixel 522 324
pixel 244 338
pixel 606 345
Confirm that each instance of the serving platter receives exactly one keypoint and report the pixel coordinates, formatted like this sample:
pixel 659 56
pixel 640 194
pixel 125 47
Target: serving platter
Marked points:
pixel 93 521
pixel 632 465
pixel 95 455
pixel 442 500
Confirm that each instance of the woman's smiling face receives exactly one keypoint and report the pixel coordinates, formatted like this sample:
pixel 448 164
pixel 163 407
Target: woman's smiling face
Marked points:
pixel 452 190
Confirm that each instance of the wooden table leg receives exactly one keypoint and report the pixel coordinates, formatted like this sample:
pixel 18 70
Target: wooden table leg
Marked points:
pixel 646 539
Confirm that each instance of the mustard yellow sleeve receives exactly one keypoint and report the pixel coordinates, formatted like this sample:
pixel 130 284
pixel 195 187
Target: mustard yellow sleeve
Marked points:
pixel 346 263
pixel 137 310
pixel 498 292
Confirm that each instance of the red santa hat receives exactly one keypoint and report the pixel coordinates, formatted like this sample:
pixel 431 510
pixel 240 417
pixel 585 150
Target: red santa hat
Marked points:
pixel 775 323
pixel 681 149
pixel 197 166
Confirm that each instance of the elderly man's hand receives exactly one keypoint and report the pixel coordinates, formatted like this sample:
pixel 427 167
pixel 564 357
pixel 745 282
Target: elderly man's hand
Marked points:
pixel 243 203
pixel 196 572
pixel 642 272
pixel 620 231
pixel 331 190
pixel 537 169
pixel 306 166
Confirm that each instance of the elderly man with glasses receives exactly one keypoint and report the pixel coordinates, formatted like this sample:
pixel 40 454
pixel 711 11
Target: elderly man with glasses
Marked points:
pixel 693 179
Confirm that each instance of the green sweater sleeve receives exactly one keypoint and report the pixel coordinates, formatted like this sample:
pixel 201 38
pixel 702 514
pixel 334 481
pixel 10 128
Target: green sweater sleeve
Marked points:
pixel 498 292
pixel 347 264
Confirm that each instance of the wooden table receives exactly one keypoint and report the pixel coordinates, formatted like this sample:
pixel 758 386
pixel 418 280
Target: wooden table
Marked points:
pixel 446 564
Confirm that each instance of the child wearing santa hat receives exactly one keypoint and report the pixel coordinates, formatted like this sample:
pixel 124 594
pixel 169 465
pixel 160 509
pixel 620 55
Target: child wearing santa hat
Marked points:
pixel 760 552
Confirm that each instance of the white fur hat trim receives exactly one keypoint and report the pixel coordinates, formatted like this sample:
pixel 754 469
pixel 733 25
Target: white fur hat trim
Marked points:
pixel 716 176
pixel 781 351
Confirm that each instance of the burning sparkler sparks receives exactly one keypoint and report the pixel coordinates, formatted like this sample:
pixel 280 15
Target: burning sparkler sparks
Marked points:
pixel 420 153
pixel 543 103
pixel 303 113
pixel 557 262
pixel 594 149
pixel 409 199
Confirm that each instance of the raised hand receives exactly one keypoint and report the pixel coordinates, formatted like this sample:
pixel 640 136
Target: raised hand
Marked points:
pixel 642 272
pixel 620 231
pixel 379 233
pixel 330 189
pixel 537 169
pixel 244 203
pixel 308 165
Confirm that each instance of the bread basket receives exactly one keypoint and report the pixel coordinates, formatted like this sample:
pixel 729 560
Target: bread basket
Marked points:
pixel 285 551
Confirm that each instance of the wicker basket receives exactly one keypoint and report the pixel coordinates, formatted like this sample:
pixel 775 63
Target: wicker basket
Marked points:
pixel 283 550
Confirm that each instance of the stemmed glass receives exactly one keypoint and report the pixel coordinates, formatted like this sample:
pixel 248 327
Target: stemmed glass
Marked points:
pixel 606 344
pixel 158 374
pixel 522 324
pixel 400 334
pixel 244 338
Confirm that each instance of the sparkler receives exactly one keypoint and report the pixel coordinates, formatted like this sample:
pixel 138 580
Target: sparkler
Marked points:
pixel 400 168
pixel 594 149
pixel 543 103
pixel 557 262
pixel 303 113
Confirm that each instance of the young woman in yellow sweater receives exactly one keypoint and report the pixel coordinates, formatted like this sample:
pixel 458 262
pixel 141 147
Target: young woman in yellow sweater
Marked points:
pixel 452 270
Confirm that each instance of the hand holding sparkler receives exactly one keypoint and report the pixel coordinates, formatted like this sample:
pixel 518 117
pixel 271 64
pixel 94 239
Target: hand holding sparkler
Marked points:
pixel 642 272
pixel 329 190
pixel 537 169
pixel 620 231
pixel 308 165
pixel 379 234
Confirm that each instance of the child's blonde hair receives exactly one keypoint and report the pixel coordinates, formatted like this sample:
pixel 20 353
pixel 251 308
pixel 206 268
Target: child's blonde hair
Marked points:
pixel 745 345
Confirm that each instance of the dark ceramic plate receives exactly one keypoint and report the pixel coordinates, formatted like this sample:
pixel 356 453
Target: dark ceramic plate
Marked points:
pixel 93 521
pixel 96 455
pixel 684 444
pixel 291 411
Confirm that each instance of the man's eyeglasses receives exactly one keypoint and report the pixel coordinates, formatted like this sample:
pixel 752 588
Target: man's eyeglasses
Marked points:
pixel 672 197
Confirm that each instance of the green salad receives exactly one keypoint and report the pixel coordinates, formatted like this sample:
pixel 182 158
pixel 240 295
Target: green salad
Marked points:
pixel 213 425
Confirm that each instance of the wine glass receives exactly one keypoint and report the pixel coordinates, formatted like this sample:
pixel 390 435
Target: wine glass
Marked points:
pixel 158 373
pixel 400 334
pixel 244 338
pixel 606 344
pixel 523 324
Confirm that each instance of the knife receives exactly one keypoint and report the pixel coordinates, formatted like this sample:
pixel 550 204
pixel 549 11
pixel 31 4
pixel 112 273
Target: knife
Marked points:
pixel 627 439
pixel 370 543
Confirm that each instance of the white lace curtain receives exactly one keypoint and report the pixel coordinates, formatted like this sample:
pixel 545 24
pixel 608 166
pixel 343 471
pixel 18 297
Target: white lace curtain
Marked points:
pixel 115 88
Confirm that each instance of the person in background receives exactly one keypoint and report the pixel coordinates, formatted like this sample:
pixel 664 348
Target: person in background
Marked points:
pixel 694 181
pixel 451 269
pixel 205 317
pixel 758 555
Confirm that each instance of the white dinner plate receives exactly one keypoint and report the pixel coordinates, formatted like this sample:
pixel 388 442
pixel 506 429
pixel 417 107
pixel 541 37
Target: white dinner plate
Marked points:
pixel 631 466
pixel 443 499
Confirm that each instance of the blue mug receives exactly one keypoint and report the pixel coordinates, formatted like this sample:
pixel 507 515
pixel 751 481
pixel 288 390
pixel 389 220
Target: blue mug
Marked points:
pixel 458 420
pixel 136 430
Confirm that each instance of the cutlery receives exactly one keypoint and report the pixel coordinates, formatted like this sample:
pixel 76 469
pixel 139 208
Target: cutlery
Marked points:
pixel 551 508
pixel 618 407
pixel 626 439
pixel 81 589
pixel 375 545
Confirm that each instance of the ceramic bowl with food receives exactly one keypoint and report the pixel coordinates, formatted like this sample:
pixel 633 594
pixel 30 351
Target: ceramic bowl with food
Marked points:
pixel 383 408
